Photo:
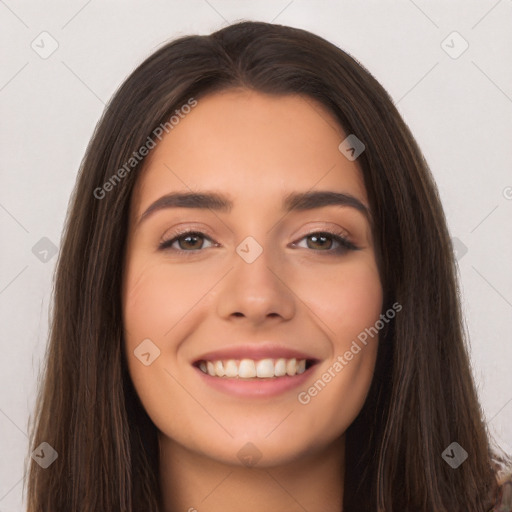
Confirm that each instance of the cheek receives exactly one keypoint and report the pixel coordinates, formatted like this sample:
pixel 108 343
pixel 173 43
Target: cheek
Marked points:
pixel 156 299
pixel 346 299
pixel 349 302
pixel 145 302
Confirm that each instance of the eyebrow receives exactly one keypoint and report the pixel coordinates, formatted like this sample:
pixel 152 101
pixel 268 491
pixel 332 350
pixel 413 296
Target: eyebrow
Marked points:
pixel 295 201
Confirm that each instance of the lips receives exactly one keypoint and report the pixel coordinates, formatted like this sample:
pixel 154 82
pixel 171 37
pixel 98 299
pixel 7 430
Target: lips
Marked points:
pixel 255 362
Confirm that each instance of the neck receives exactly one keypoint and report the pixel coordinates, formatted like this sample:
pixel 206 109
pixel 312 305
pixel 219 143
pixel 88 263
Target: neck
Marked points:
pixel 193 482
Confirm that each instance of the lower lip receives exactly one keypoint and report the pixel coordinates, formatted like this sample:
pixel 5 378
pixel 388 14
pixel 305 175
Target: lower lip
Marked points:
pixel 254 388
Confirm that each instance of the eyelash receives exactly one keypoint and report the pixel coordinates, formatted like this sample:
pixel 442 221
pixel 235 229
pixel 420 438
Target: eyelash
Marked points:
pixel 344 244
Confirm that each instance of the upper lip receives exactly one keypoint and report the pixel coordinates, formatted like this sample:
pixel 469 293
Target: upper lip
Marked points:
pixel 255 352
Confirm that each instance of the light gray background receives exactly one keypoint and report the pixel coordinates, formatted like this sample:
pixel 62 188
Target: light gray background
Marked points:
pixel 459 110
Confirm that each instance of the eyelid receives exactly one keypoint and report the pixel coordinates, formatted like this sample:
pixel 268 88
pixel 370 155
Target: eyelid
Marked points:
pixel 344 241
pixel 323 227
pixel 330 228
pixel 166 242
pixel 179 230
pixel 338 235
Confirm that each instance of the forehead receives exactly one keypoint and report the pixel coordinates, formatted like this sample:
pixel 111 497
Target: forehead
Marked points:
pixel 254 146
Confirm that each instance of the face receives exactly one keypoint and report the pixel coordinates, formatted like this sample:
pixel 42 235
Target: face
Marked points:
pixel 269 291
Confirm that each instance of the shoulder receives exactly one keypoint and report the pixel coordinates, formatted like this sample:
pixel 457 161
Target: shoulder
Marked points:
pixel 504 501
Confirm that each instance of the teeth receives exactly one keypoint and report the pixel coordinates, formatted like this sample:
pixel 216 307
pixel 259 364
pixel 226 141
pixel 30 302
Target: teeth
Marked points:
pixel 248 368
pixel 280 368
pixel 265 368
pixel 219 368
pixel 291 366
pixel 231 369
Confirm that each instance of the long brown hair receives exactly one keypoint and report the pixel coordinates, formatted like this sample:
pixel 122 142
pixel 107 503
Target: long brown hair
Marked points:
pixel 422 396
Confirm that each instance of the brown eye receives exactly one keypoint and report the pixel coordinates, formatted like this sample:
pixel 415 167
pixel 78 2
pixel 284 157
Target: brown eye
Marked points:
pixel 188 242
pixel 330 243
pixel 321 241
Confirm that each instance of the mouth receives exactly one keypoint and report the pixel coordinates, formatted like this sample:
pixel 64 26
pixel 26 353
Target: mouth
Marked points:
pixel 255 378
pixel 254 369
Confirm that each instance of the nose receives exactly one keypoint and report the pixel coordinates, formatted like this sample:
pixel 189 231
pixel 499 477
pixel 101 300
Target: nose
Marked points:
pixel 256 292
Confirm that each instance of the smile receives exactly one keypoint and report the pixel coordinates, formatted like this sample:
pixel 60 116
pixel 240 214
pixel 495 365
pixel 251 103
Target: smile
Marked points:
pixel 254 369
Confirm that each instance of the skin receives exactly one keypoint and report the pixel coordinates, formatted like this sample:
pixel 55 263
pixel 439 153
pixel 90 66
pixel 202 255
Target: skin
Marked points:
pixel 256 149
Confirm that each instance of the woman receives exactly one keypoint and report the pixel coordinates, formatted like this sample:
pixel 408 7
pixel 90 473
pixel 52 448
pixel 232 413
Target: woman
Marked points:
pixel 256 302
